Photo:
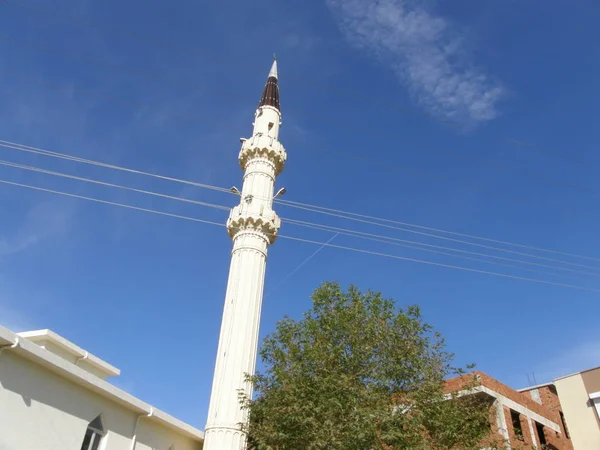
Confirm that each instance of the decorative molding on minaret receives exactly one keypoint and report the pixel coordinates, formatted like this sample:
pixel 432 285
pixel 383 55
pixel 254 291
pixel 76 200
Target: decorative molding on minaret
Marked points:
pixel 253 226
pixel 264 147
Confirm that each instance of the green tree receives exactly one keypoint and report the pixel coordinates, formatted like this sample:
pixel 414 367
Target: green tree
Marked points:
pixel 356 372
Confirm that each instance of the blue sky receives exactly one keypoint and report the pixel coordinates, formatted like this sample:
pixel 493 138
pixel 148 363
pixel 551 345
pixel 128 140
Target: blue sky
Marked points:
pixel 359 79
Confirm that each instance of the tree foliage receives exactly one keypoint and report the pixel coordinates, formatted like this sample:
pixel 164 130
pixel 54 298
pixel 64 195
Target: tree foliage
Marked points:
pixel 358 373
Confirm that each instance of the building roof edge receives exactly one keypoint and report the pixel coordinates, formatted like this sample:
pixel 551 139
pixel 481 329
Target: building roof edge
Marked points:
pixel 537 386
pixel 43 357
pixel 72 348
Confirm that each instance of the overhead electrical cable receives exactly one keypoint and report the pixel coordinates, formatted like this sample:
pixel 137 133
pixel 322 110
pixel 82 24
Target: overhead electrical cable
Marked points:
pixel 118 186
pixel 438 252
pixel 39 151
pixel 313 208
pixel 106 202
pixel 438 230
pixel 403 242
pixel 352 233
pixel 396 166
pixel 421 233
pixel 521 198
pixel 325 244
pixel 344 231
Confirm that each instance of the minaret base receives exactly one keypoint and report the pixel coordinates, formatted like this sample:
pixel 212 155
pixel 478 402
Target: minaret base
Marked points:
pixel 225 438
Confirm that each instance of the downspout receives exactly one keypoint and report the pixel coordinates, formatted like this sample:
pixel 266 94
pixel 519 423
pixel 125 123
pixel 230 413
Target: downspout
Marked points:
pixel 137 422
pixel 81 357
pixel 15 345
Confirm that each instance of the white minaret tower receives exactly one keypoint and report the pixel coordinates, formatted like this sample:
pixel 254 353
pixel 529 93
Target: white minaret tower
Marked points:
pixel 253 226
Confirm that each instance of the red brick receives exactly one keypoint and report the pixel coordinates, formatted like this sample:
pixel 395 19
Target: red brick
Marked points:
pixel 549 409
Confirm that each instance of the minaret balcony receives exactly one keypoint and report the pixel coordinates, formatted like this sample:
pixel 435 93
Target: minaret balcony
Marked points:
pixel 263 147
pixel 263 221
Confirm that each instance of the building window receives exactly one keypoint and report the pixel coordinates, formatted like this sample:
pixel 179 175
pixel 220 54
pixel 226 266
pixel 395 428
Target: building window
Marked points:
pixel 515 418
pixel 564 424
pixel 93 435
pixel 540 432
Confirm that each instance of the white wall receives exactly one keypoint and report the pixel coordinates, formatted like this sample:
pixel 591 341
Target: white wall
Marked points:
pixel 41 411
pixel 579 413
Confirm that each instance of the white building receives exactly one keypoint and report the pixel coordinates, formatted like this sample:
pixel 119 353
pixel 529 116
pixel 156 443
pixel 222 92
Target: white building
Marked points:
pixel 579 395
pixel 54 396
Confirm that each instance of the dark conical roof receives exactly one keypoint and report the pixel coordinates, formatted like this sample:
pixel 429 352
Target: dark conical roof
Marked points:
pixel 270 95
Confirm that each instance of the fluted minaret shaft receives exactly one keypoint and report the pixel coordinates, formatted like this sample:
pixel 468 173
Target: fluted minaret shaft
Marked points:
pixel 253 226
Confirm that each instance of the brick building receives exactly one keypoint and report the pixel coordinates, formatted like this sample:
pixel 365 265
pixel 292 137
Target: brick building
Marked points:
pixel 579 396
pixel 529 419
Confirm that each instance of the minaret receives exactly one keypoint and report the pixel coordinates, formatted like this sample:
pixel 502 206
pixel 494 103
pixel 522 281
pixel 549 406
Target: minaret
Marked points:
pixel 253 226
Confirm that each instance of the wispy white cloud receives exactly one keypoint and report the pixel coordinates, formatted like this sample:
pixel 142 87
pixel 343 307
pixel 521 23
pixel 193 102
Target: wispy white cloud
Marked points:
pixel 427 53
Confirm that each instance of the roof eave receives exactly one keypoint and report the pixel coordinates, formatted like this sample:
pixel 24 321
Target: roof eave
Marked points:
pixel 62 367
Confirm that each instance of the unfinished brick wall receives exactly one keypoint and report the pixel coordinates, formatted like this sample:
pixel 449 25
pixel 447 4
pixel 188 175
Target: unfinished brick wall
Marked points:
pixel 549 409
pixel 551 402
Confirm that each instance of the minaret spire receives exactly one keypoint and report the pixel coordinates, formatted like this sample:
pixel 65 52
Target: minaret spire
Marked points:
pixel 253 227
pixel 270 95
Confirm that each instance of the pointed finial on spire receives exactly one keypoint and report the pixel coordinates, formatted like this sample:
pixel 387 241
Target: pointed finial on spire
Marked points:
pixel 273 72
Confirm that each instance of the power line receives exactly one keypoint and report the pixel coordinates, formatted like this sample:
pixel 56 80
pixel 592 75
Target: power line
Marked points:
pixel 118 186
pixel 439 230
pixel 325 244
pixel 438 252
pixel 39 151
pixel 435 263
pixel 529 200
pixel 305 80
pixel 353 233
pixel 106 202
pixel 407 230
pixel 323 150
pixel 353 127
pixel 302 206
pixel 403 242
pixel 416 247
